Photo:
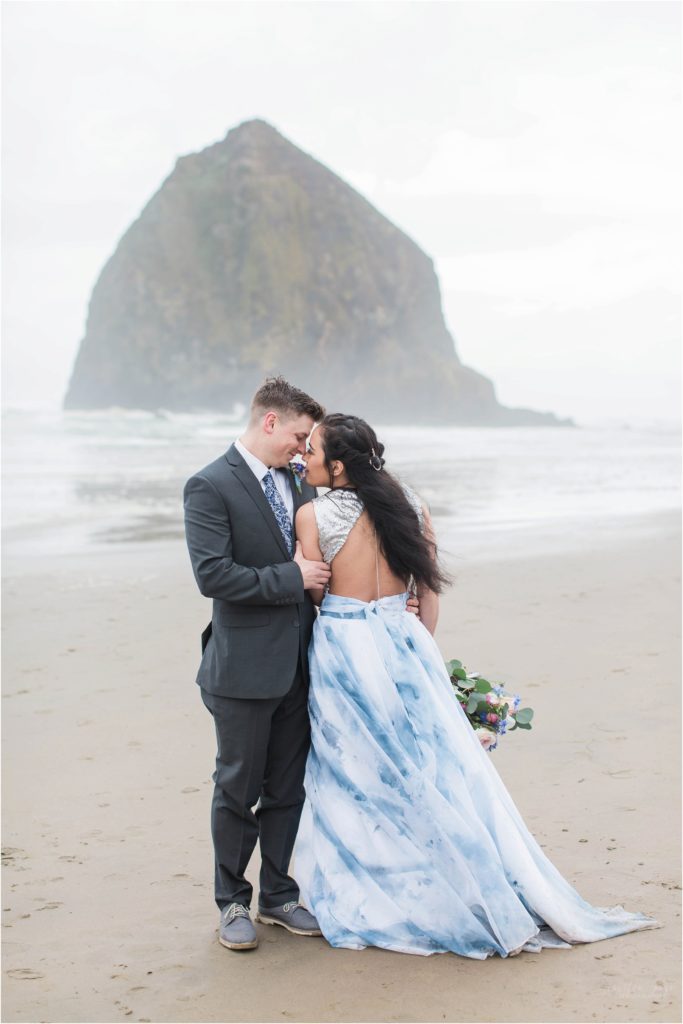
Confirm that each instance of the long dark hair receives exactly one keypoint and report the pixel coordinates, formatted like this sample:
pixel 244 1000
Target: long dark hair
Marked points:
pixel 352 441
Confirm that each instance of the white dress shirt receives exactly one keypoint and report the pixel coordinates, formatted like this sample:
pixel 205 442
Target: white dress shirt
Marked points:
pixel 280 477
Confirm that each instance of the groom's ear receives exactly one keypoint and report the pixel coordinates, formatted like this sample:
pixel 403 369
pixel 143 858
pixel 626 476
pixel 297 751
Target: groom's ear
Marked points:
pixel 269 422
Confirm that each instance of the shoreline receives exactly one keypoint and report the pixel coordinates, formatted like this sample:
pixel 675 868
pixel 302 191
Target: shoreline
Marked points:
pixel 108 753
pixel 156 540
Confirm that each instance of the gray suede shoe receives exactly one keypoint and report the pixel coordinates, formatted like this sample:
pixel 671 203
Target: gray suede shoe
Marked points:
pixel 236 930
pixel 291 916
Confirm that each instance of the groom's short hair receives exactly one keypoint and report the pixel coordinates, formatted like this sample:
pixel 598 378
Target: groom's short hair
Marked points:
pixel 278 394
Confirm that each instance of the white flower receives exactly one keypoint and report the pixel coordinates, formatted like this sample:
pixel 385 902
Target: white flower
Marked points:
pixel 486 738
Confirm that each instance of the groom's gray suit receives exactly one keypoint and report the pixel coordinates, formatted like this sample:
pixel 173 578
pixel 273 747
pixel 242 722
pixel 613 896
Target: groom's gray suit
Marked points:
pixel 253 674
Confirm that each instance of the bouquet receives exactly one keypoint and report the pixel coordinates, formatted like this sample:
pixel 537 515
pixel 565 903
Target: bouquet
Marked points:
pixel 492 711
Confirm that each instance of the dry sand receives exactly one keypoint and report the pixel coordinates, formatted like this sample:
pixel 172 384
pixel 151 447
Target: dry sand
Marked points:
pixel 107 895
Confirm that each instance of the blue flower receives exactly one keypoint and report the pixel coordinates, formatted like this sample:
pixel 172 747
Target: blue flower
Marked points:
pixel 297 468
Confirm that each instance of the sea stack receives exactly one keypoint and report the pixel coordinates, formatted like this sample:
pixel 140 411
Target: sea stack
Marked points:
pixel 254 259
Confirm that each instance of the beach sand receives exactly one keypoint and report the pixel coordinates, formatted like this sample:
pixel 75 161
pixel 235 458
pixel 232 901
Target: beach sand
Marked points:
pixel 108 754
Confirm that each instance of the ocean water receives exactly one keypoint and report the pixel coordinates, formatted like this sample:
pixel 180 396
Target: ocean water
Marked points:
pixel 75 482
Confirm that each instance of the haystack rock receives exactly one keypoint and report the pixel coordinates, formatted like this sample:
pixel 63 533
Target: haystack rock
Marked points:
pixel 254 259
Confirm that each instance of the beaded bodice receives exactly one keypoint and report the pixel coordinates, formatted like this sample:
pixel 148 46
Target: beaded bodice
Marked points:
pixel 338 511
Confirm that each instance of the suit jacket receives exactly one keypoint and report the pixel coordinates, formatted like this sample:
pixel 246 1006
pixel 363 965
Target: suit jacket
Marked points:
pixel 262 617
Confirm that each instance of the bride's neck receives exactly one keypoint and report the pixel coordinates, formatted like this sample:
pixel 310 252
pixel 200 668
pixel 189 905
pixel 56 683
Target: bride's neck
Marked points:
pixel 342 481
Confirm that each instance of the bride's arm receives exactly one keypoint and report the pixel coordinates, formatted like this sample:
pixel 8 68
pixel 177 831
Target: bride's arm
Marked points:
pixel 307 533
pixel 429 608
pixel 429 601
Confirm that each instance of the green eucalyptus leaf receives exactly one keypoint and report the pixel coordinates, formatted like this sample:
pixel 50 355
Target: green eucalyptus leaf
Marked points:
pixel 470 690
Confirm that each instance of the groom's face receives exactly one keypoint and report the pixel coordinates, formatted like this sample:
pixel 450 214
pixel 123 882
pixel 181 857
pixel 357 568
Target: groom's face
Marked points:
pixel 287 436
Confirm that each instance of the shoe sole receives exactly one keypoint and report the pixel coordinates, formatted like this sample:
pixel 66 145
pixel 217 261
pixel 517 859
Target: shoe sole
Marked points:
pixel 295 931
pixel 238 945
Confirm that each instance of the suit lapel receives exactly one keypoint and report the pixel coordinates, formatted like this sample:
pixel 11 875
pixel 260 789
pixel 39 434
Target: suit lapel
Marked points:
pixel 299 497
pixel 255 492
pixel 296 497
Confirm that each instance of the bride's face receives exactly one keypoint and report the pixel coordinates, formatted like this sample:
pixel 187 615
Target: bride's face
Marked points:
pixel 317 474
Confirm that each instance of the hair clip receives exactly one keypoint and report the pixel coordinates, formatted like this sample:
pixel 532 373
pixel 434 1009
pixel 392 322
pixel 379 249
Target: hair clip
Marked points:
pixel 375 460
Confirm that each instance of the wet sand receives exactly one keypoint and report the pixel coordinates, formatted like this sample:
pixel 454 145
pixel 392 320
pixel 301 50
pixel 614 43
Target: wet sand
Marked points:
pixel 108 751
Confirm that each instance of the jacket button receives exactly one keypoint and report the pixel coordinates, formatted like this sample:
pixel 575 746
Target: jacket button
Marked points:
pixel 295 622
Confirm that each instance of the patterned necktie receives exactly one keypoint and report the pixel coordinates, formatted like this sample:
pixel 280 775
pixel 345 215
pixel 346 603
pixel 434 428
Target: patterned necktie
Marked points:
pixel 279 511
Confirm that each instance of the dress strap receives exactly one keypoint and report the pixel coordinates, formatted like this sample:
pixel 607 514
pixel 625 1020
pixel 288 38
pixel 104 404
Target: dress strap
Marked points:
pixel 376 560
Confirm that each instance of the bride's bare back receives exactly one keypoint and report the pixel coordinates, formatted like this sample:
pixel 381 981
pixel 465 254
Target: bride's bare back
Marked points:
pixel 356 567
pixel 349 547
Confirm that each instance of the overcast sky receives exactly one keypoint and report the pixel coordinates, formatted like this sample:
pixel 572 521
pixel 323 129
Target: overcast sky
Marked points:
pixel 532 149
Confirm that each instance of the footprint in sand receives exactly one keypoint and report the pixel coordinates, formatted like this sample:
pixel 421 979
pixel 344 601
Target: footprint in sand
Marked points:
pixel 24 974
pixel 12 853
pixel 50 906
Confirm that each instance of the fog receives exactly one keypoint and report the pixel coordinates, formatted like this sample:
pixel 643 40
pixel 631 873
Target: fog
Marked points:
pixel 532 149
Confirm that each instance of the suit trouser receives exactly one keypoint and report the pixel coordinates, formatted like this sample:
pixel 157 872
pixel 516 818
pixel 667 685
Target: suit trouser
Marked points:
pixel 262 750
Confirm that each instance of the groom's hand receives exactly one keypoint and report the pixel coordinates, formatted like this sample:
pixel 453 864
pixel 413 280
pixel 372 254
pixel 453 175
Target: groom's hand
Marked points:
pixel 413 605
pixel 315 574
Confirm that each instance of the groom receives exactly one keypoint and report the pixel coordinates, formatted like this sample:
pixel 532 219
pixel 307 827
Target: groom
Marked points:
pixel 239 523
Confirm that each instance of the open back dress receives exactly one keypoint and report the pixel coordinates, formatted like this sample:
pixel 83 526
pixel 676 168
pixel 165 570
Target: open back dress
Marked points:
pixel 409 839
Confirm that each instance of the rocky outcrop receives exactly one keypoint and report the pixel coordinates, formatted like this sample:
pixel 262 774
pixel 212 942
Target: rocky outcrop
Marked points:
pixel 253 259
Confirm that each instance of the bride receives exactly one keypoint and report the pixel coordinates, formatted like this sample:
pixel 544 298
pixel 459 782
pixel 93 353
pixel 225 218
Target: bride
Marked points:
pixel 409 840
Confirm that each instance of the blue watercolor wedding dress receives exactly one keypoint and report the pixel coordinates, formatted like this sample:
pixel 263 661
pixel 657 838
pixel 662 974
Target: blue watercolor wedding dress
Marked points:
pixel 409 839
